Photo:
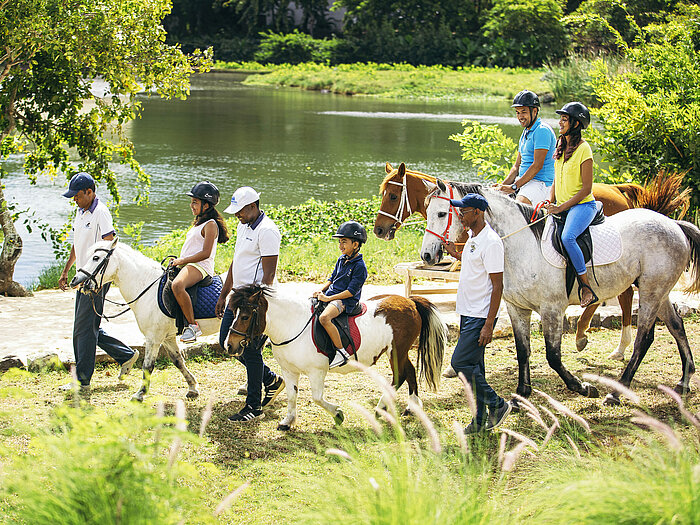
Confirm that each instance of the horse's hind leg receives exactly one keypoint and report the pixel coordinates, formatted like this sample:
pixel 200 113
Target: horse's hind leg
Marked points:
pixel 291 382
pixel 403 370
pixel 625 299
pixel 149 362
pixel 179 360
pixel 674 322
pixel 584 323
pixel 316 380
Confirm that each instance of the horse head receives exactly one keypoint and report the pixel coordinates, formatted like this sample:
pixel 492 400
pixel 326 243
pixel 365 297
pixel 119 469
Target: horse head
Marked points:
pixel 443 221
pixel 249 305
pixel 99 269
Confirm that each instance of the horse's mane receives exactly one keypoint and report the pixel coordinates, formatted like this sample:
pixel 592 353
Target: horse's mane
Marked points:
pixel 249 290
pixel 417 174
pixel 132 253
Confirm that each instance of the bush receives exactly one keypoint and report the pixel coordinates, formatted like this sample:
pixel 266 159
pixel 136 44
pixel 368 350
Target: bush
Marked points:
pixel 487 148
pixel 293 48
pixel 601 25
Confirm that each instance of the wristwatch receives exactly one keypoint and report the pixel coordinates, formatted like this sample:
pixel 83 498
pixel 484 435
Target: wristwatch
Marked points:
pixel 514 187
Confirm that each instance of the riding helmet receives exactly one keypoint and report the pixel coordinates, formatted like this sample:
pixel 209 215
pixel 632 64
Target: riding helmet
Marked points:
pixel 352 230
pixel 577 111
pixel 526 98
pixel 205 191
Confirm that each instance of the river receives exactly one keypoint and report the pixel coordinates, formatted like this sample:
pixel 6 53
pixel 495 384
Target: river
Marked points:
pixel 289 144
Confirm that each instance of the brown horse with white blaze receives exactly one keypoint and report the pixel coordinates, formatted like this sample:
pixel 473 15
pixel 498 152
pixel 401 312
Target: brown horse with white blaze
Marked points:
pixel 404 192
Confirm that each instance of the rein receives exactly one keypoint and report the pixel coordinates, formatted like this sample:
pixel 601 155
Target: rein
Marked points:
pixel 538 207
pixel 252 323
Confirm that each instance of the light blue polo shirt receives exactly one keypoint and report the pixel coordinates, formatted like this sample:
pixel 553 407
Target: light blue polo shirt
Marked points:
pixel 539 136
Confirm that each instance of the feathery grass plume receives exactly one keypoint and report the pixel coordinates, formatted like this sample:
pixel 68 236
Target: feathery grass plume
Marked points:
pixel 573 446
pixel 461 438
pixel 550 433
pixel 520 437
pixel 206 415
pixel 681 406
pixel 392 421
pixel 663 429
pixel 502 448
pixel 471 400
pixel 381 382
pixel 228 500
pixel 369 417
pixel 554 418
pixel 75 386
pixel 435 444
pixel 510 457
pixel 160 413
pixel 531 410
pixel 616 386
pixel 338 452
pixel 563 409
pixel 181 425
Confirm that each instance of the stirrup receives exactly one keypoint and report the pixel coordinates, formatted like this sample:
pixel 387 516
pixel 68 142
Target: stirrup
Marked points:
pixel 594 300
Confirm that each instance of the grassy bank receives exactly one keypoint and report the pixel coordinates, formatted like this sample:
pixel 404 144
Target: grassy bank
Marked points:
pixel 50 454
pixel 398 80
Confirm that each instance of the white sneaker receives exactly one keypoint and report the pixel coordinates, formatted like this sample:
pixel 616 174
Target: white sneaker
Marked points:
pixel 189 334
pixel 341 357
pixel 128 365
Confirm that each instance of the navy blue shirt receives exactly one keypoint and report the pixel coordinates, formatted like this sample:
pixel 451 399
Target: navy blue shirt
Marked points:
pixel 348 274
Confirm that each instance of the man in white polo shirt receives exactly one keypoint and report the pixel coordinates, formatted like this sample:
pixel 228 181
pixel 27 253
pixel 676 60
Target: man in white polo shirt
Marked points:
pixel 478 300
pixel 92 223
pixel 254 262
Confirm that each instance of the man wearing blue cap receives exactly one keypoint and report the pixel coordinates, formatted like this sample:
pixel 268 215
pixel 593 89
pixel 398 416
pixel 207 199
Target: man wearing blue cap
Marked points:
pixel 92 223
pixel 478 300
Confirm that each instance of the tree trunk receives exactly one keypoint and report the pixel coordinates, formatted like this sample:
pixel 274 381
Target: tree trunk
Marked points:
pixel 11 250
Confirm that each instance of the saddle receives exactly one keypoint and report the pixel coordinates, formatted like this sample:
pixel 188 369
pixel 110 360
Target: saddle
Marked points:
pixel 203 295
pixel 346 325
pixel 584 241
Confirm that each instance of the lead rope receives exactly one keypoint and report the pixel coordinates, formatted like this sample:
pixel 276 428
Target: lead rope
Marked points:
pixel 539 206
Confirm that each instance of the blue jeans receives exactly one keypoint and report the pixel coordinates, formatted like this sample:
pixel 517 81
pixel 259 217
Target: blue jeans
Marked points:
pixel 257 371
pixel 577 220
pixel 87 335
pixel 468 358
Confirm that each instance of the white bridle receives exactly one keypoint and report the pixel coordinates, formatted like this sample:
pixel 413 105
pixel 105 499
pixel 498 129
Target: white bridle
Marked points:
pixel 403 203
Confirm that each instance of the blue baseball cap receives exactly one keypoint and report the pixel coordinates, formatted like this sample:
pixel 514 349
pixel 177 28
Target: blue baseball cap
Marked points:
pixel 80 181
pixel 471 200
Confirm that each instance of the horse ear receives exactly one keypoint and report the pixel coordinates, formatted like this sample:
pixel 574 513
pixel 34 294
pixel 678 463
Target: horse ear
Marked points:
pixel 388 168
pixel 114 242
pixel 430 185
pixel 402 169
pixel 441 185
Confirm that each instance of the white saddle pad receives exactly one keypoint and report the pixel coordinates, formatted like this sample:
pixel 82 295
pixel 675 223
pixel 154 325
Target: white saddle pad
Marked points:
pixel 607 245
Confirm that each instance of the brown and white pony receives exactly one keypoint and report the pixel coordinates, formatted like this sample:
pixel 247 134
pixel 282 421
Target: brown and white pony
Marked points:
pixel 390 325
pixel 404 192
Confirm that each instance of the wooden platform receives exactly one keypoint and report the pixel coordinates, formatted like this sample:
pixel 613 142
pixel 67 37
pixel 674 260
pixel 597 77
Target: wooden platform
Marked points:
pixel 418 270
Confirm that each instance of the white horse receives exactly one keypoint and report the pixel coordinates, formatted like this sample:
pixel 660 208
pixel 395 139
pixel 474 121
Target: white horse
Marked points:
pixel 390 325
pixel 655 252
pixel 133 272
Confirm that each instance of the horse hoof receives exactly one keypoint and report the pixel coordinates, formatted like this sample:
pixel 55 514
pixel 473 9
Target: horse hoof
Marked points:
pixel 617 356
pixel 284 428
pixel 681 389
pixel 612 400
pixel 581 343
pixel 590 390
pixel 192 394
pixel 407 412
pixel 514 406
pixel 449 373
pixel 339 417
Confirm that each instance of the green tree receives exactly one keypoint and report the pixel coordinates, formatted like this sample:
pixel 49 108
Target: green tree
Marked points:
pixel 51 51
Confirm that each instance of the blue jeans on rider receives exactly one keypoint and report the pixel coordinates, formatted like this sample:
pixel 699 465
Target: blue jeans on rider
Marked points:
pixel 577 220
pixel 87 335
pixel 257 371
pixel 468 358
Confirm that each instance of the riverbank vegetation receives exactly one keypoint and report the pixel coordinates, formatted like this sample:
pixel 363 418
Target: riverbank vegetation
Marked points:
pixel 105 459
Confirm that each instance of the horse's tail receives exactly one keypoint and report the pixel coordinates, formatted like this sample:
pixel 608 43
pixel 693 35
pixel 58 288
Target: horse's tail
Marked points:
pixel 431 344
pixel 663 194
pixel 692 233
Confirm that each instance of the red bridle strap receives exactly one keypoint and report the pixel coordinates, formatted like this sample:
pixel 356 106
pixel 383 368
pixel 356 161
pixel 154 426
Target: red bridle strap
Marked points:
pixel 445 237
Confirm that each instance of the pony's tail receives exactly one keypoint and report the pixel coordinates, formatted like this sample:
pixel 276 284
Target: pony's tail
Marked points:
pixel 431 344
pixel 663 194
pixel 692 233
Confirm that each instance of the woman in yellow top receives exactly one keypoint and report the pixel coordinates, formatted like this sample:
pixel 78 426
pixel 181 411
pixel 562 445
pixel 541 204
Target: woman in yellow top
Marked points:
pixel 571 191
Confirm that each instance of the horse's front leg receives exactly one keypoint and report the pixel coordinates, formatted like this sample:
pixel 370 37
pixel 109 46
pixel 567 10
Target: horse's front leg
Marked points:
pixel 552 324
pixel 179 360
pixel 149 361
pixel 625 299
pixel 520 321
pixel 674 322
pixel 291 380
pixel 316 380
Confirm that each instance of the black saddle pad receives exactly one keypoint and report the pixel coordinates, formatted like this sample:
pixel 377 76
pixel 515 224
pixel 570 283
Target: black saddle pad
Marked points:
pixel 203 295
pixel 584 241
pixel 349 334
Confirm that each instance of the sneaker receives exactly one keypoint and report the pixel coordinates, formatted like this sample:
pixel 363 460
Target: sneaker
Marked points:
pixel 341 357
pixel 449 373
pixel 474 428
pixel 189 334
pixel 272 391
pixel 247 413
pixel 499 416
pixel 128 365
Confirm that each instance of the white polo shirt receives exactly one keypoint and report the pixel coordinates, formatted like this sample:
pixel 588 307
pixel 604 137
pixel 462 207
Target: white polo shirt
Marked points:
pixel 254 241
pixel 90 226
pixel 482 255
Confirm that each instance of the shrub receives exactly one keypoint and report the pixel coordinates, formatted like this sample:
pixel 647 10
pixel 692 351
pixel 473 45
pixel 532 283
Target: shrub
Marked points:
pixel 293 48
pixel 487 148
pixel 601 25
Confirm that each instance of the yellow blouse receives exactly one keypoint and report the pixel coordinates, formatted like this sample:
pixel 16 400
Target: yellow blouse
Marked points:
pixel 567 175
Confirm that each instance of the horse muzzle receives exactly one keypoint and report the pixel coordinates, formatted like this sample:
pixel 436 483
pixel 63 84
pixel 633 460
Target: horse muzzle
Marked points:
pixel 432 255
pixel 86 281
pixel 235 344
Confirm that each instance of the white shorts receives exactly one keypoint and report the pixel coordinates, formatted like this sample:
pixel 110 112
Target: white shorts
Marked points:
pixel 535 191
